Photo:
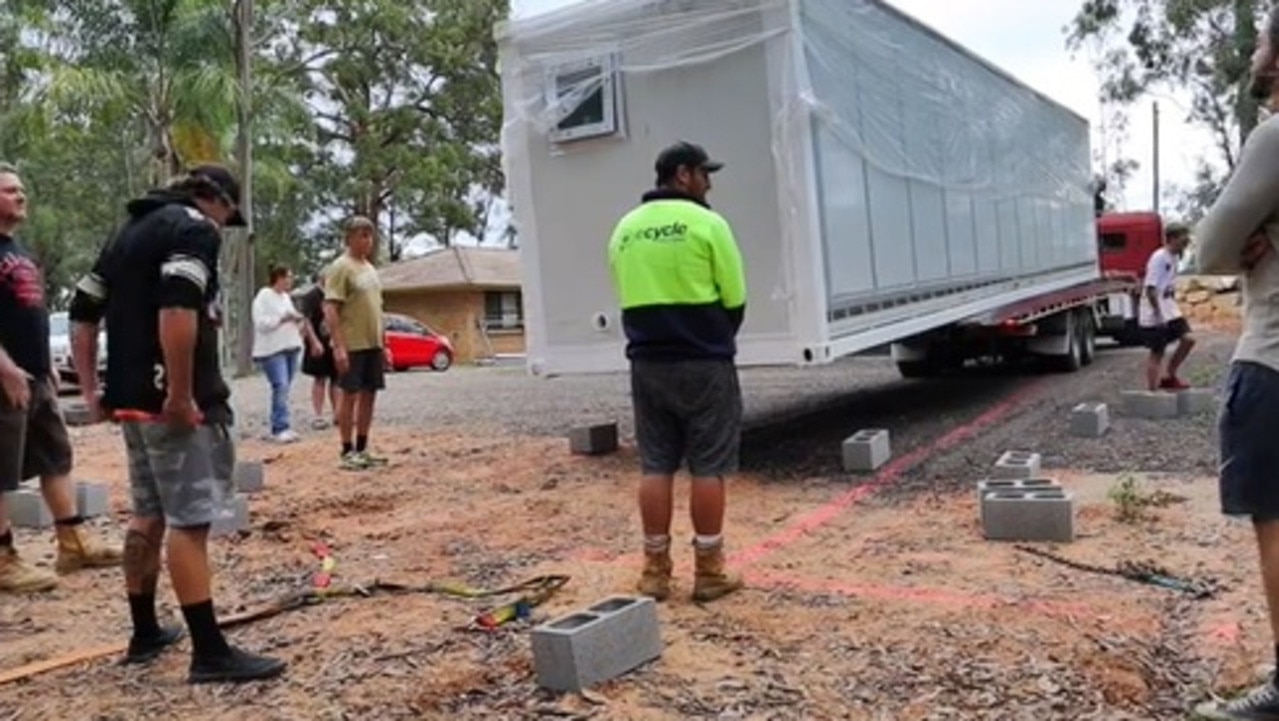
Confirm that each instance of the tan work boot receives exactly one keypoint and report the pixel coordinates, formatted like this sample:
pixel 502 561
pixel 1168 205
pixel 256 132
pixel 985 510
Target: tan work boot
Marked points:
pixel 76 550
pixel 711 581
pixel 18 577
pixel 655 581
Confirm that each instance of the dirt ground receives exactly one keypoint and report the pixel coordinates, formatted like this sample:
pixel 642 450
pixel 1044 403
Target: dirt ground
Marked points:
pixel 869 597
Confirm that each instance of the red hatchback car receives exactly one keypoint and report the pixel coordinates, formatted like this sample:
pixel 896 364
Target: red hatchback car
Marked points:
pixel 413 345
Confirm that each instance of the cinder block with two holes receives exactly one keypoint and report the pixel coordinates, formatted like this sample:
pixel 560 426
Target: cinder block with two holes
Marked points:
pixel 1154 405
pixel 593 440
pixel 1196 401
pixel 76 414
pixel 1014 465
pixel 250 476
pixel 235 518
pixel 866 450
pixel 994 485
pixel 92 499
pixel 1089 420
pixel 1029 515
pixel 27 509
pixel 604 641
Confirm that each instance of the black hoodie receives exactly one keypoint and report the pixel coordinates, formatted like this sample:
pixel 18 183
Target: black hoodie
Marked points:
pixel 165 256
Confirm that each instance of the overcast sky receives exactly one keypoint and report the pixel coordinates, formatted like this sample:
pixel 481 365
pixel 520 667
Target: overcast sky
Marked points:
pixel 1025 38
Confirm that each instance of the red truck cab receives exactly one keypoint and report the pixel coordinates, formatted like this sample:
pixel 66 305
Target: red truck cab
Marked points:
pixel 1126 240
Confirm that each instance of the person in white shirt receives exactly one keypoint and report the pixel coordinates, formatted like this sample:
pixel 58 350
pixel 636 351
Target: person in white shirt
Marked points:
pixel 278 329
pixel 1158 314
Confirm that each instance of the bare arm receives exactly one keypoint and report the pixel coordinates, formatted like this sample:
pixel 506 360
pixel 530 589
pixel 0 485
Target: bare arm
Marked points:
pixel 335 326
pixel 178 328
pixel 84 355
pixel 87 308
pixel 1250 197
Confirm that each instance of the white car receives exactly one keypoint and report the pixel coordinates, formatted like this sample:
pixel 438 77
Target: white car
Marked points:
pixel 60 348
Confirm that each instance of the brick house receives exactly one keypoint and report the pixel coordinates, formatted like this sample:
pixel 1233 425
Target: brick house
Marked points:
pixel 472 295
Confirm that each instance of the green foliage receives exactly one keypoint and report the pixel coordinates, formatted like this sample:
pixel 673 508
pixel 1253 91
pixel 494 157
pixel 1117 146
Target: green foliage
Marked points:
pixel 391 109
pixel 1204 47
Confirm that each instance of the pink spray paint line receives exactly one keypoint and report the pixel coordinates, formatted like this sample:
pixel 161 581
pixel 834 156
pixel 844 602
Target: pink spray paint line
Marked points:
pixel 894 470
pixel 928 596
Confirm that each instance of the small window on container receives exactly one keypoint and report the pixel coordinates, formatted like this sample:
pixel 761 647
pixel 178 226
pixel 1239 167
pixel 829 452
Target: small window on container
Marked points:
pixel 583 96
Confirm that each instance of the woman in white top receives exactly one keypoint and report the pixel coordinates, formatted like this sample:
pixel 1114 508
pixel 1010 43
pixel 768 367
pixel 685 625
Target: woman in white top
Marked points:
pixel 278 329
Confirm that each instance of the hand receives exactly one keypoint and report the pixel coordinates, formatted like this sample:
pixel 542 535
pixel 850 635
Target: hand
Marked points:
pixel 180 413
pixel 17 386
pixel 341 361
pixel 1257 247
pixel 317 349
pixel 386 355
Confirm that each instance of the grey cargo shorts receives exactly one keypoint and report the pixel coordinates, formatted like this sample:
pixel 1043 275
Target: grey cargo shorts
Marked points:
pixel 687 411
pixel 186 477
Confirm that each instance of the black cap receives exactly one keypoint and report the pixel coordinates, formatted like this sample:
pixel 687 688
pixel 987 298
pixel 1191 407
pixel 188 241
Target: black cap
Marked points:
pixel 221 177
pixel 683 154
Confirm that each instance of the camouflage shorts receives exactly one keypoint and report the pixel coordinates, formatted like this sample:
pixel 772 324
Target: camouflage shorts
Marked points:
pixel 186 477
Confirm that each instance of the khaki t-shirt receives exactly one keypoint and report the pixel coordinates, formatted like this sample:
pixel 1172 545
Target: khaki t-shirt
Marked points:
pixel 355 285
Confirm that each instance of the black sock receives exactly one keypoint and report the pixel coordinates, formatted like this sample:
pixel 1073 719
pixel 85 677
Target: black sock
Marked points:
pixel 361 443
pixel 206 638
pixel 346 447
pixel 142 610
pixel 76 520
pixel 6 539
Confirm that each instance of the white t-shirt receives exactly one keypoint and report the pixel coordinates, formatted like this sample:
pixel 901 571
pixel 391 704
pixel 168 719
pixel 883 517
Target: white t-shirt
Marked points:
pixel 270 335
pixel 1161 274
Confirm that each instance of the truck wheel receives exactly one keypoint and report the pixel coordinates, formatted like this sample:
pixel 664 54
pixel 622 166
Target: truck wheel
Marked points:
pixel 917 369
pixel 1072 360
pixel 1087 338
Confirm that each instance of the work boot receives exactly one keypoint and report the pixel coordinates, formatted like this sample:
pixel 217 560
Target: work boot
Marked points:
pixel 655 581
pixel 235 667
pixel 711 580
pixel 18 577
pixel 1258 704
pixel 76 550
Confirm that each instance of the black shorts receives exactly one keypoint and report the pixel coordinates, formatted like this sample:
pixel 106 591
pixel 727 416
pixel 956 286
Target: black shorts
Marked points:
pixel 1157 338
pixel 1249 476
pixel 34 441
pixel 687 410
pixel 367 372
pixel 321 366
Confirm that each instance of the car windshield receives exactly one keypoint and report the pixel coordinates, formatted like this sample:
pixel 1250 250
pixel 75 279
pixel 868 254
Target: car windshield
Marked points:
pixel 59 324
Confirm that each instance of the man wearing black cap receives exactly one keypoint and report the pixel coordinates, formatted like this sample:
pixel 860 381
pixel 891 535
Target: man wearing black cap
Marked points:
pixel 156 285
pixel 679 279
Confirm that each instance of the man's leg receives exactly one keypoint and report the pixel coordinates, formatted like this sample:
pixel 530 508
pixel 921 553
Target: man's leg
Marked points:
pixel 1154 368
pixel 660 440
pixel 1185 343
pixel 349 382
pixel 193 478
pixel 1248 486
pixel 49 456
pixel 373 379
pixel 15 575
pixel 714 441
pixel 142 542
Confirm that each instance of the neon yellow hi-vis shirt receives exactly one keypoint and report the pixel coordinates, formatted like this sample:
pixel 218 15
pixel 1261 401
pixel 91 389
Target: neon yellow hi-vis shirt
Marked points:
pixel 679 279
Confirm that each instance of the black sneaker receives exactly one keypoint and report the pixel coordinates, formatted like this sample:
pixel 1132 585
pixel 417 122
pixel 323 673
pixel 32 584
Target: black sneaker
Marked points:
pixel 235 667
pixel 1260 704
pixel 146 649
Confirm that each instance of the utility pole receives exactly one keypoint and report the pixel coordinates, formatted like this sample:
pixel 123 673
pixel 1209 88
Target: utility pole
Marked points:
pixel 246 272
pixel 1154 161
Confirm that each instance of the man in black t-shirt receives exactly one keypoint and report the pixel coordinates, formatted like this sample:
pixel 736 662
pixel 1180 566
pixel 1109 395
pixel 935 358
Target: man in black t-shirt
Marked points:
pixel 156 285
pixel 33 436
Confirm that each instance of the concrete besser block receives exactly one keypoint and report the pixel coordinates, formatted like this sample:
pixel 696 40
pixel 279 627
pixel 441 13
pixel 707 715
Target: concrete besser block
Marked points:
pixel 1017 465
pixel 1024 485
pixel 1155 405
pixel 91 499
pixel 866 450
pixel 1194 401
pixel 249 476
pixel 27 509
pixel 76 414
pixel 594 439
pixel 1089 420
pixel 611 638
pixel 1047 515
pixel 234 518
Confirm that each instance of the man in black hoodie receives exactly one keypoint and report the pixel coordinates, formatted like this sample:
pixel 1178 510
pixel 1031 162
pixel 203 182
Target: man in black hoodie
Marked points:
pixel 156 285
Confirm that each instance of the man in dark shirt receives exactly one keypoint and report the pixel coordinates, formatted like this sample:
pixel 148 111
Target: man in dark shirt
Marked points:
pixel 33 437
pixel 156 285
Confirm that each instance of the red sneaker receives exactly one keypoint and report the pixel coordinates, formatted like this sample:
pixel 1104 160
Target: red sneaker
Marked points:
pixel 1173 384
